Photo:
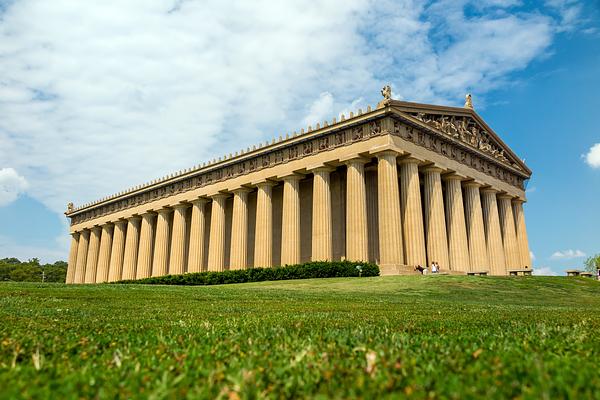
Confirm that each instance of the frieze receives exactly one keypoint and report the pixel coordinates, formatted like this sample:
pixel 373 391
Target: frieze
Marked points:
pixel 242 167
pixel 468 131
pixel 450 150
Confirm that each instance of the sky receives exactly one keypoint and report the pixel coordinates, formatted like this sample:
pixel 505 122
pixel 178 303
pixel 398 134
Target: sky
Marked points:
pixel 96 97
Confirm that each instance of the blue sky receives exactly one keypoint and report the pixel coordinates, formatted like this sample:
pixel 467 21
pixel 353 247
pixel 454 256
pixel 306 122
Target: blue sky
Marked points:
pixel 95 98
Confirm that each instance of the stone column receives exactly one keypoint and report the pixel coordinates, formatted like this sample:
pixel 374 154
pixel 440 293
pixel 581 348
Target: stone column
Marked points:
pixel 177 257
pixel 412 215
pixel 196 253
pixel 104 256
pixel 493 234
pixel 435 219
pixel 391 251
pixel 458 245
pixel 82 251
pixel 290 221
pixel 131 247
pixel 216 245
pixel 239 230
pixel 263 238
pixel 117 252
pixel 322 236
pixel 72 258
pixel 509 233
pixel 160 259
pixel 92 257
pixel 522 241
pixel 475 228
pixel 144 260
pixel 357 242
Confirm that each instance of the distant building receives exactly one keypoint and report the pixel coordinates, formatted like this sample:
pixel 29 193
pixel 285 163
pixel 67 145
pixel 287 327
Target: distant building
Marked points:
pixel 401 185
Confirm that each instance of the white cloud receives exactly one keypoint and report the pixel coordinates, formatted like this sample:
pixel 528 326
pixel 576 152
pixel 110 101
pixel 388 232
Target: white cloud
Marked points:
pixel 568 254
pixel 99 96
pixel 11 185
pixel 320 109
pixel 592 158
pixel 547 271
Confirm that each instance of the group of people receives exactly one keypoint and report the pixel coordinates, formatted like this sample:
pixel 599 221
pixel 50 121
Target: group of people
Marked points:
pixel 434 269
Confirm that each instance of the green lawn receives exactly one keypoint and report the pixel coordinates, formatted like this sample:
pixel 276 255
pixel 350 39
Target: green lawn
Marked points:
pixel 423 336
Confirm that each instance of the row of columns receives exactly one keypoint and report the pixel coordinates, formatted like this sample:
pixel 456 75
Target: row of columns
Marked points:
pixel 482 231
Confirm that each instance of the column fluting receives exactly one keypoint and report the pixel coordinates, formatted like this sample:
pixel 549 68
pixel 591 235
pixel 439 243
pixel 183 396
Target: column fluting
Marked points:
pixel 522 241
pixel 160 258
pixel 322 236
pixel 92 257
pixel 144 260
pixel 435 219
pixel 104 256
pixel 458 245
pixel 177 255
pixel 391 250
pixel 239 230
pixel 357 239
pixel 263 238
pixel 412 214
pixel 132 239
pixel 475 228
pixel 82 251
pixel 509 233
pixel 72 264
pixel 493 233
pixel 117 253
pixel 196 253
pixel 216 245
pixel 290 227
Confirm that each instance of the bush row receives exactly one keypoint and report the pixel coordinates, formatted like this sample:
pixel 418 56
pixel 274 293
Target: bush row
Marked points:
pixel 299 271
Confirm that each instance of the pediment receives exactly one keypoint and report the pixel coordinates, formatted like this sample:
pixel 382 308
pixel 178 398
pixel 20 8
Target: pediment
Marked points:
pixel 465 126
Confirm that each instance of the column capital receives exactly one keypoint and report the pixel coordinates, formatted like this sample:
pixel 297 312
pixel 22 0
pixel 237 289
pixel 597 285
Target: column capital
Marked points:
pixel 433 169
pixel 320 168
pixel 241 190
pixel 354 159
pixel 264 183
pixel 409 160
pixel 219 196
pixel 453 176
pixel 386 153
pixel 200 201
pixel 472 184
pixel 488 189
pixel 180 206
pixel 163 211
pixel 291 177
pixel 505 196
pixel 120 222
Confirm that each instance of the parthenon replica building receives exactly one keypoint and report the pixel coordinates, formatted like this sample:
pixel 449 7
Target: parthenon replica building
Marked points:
pixel 401 185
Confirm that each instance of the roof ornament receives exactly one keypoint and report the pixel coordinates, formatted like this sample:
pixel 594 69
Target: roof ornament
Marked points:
pixel 386 92
pixel 468 101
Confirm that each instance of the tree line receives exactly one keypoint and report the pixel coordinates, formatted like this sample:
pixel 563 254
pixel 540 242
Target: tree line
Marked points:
pixel 12 269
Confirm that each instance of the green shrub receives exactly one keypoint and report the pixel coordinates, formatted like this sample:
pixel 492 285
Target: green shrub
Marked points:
pixel 300 271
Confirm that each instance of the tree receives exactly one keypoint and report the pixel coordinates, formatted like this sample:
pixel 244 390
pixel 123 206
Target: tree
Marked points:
pixel 592 263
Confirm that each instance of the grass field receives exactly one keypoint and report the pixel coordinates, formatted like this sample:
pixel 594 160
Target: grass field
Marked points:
pixel 421 336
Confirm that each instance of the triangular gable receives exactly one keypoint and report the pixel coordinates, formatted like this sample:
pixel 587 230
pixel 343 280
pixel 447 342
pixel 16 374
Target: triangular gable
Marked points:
pixel 464 125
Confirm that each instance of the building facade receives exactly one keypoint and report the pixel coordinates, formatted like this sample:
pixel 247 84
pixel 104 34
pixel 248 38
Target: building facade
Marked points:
pixel 400 185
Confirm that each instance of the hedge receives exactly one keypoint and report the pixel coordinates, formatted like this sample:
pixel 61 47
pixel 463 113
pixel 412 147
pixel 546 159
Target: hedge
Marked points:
pixel 299 271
